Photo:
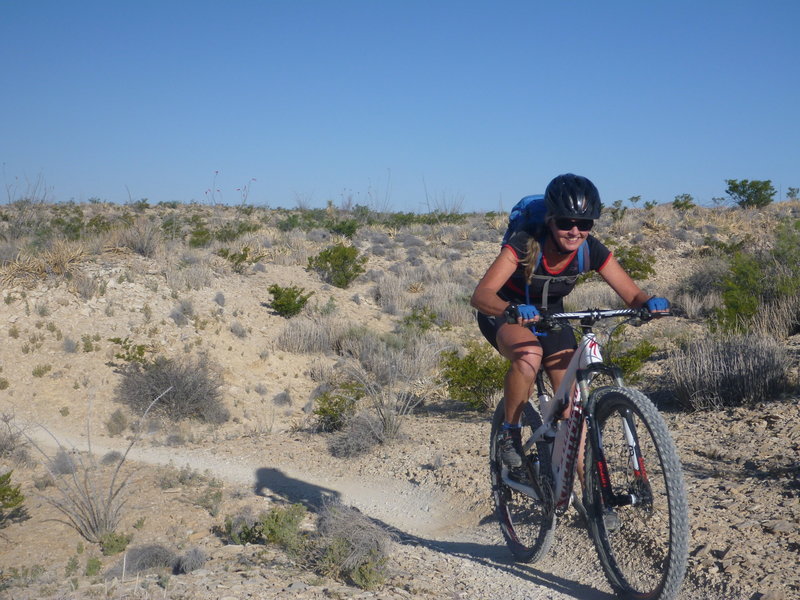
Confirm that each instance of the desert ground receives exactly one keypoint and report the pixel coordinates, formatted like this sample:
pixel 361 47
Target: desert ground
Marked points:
pixel 78 306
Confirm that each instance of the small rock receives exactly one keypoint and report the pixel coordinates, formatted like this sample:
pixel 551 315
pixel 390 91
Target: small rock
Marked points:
pixel 772 595
pixel 779 526
pixel 297 586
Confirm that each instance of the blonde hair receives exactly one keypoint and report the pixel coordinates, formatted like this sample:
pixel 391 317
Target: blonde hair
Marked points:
pixel 529 262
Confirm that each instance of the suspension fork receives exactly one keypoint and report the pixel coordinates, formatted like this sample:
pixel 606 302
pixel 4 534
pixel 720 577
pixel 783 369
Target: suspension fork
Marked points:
pixel 641 493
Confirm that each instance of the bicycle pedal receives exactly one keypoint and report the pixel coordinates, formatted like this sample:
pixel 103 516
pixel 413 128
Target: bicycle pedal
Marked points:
pixel 519 475
pixel 611 521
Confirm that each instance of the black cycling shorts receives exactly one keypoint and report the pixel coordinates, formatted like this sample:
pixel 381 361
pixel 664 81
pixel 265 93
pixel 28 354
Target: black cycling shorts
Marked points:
pixel 552 343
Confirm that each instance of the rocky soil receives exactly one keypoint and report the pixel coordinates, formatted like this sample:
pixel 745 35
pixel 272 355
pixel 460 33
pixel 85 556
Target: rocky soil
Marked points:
pixel 430 488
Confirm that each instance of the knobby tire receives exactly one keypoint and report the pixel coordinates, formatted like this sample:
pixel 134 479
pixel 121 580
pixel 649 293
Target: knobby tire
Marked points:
pixel 643 548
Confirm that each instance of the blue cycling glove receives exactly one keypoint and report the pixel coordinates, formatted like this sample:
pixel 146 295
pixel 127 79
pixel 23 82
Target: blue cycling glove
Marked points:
pixel 657 304
pixel 525 311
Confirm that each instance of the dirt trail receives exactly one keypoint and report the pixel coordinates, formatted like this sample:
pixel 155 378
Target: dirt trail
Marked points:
pixel 435 530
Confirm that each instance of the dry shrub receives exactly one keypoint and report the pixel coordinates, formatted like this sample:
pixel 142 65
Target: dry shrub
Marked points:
pixel 361 433
pixel 142 558
pixel 143 237
pixel 713 373
pixel 388 361
pixel 191 561
pixel 354 547
pixel 195 382
pixel 706 277
pixel 189 277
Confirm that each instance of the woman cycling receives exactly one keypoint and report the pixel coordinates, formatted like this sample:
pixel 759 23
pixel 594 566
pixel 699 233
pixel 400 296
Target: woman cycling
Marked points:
pixel 518 285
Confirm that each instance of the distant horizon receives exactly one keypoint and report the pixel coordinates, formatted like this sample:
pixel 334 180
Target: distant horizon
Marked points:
pixel 724 202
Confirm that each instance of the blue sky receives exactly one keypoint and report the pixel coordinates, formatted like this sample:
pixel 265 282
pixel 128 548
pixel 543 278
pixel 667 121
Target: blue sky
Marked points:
pixel 405 105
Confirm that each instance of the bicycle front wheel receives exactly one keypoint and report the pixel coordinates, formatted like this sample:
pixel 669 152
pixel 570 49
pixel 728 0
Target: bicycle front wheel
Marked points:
pixel 525 511
pixel 641 529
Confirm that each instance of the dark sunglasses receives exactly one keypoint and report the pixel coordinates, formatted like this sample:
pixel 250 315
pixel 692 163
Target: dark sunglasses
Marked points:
pixel 565 224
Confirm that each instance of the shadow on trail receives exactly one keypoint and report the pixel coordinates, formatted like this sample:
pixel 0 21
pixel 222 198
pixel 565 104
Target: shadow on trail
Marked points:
pixel 273 483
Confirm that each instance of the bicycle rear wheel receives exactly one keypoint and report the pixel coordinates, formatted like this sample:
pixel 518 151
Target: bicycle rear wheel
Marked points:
pixel 642 539
pixel 527 523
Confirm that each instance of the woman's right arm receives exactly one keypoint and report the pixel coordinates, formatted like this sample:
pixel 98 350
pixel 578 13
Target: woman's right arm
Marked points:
pixel 485 297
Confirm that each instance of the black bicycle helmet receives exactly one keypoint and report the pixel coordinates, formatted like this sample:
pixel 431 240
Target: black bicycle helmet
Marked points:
pixel 573 197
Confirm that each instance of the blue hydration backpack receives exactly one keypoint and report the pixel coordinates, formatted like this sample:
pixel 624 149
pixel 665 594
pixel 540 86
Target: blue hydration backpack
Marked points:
pixel 529 214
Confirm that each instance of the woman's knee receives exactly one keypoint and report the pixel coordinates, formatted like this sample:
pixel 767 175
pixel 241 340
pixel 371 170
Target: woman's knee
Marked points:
pixel 526 364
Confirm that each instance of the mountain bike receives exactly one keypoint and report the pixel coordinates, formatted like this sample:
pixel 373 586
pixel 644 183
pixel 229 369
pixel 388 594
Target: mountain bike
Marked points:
pixel 634 498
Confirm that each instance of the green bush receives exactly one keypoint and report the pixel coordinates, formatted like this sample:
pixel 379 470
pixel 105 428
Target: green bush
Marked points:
pixel 334 408
pixel 279 526
pixel 759 281
pixel 240 259
pixel 113 543
pixel 338 265
pixel 345 227
pixel 11 500
pixel 474 377
pixel 632 360
pixel 683 202
pixel 290 222
pixel 288 301
pixel 750 194
pixel 93 566
pixel 636 263
pixel 741 292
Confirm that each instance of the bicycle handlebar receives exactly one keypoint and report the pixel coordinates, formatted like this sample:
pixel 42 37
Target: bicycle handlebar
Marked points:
pixel 596 314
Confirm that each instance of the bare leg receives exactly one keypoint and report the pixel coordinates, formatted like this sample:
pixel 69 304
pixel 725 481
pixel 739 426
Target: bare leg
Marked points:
pixel 522 348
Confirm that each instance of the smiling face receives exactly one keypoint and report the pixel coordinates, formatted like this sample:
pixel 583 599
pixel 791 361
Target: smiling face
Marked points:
pixel 569 240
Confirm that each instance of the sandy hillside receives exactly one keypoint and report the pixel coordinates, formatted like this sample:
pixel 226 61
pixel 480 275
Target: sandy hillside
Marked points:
pixel 140 281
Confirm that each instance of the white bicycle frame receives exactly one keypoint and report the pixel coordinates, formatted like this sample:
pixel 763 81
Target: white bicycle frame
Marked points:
pixel 568 431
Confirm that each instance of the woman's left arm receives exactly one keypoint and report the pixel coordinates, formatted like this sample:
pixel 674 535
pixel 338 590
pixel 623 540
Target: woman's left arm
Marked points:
pixel 613 273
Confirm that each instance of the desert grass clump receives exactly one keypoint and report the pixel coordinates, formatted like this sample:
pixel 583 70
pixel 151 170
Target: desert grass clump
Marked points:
pixel 61 261
pixel 13 446
pixel 195 388
pixel 353 547
pixel 238 330
pixel 143 237
pixel 305 336
pixel 734 370
pixel 182 312
pixel 62 463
